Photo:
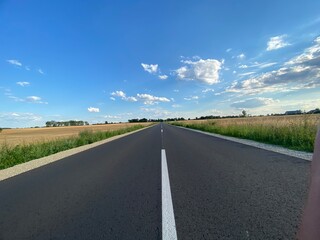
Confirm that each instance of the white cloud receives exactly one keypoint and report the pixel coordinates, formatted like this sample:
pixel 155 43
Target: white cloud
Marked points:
pixel 118 94
pixel 15 62
pixel 112 116
pixel 258 65
pixel 191 98
pixel 150 68
pixel 243 66
pixel 145 98
pixel 112 98
pixel 150 100
pixel 23 84
pixel 93 109
pixel 229 49
pixel 310 57
pixel 131 99
pixel 301 72
pixel 33 99
pixel 123 96
pixel 253 103
pixel 206 71
pixel 40 71
pixel 208 90
pixel 27 68
pixel 245 74
pixel 277 42
pixel 163 77
pixel 176 90
pixel 241 56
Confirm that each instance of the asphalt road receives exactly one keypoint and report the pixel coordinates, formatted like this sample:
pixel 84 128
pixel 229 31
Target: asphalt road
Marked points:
pixel 220 190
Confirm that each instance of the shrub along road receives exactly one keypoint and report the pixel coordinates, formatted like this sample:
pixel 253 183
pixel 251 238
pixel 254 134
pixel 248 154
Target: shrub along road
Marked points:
pixel 220 190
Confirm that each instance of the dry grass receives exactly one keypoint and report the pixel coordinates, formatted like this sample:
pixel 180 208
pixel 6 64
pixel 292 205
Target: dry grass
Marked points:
pixel 295 132
pixel 13 137
pixel 276 121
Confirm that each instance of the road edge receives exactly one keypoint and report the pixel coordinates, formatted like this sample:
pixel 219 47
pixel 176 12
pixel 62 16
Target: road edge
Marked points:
pixel 39 162
pixel 269 147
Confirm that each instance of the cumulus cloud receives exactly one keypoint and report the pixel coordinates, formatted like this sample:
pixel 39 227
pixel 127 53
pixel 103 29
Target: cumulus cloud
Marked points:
pixel 277 42
pixel 310 57
pixel 143 97
pixel 112 98
pixel 203 70
pixel 301 72
pixel 118 94
pixel 15 62
pixel 253 103
pixel 163 77
pixel 150 100
pixel 131 99
pixel 23 84
pixel 93 109
pixel 150 68
pixel 123 96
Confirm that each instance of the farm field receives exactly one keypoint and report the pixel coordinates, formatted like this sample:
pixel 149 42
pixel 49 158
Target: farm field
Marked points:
pixel 295 132
pixel 24 136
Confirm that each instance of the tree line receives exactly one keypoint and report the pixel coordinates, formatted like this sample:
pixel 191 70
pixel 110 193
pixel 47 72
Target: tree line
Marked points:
pixel 66 123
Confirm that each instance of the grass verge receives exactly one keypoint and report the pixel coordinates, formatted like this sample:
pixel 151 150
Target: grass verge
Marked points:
pixel 10 156
pixel 298 136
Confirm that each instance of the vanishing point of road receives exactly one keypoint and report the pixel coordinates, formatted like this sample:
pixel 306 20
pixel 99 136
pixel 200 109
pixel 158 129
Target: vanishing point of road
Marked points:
pixel 163 182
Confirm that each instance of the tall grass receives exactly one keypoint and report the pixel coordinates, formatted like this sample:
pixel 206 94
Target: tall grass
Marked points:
pixel 13 155
pixel 294 133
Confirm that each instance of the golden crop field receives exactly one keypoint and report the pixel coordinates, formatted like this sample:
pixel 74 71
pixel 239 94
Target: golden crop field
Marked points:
pixel 296 132
pixel 279 121
pixel 13 137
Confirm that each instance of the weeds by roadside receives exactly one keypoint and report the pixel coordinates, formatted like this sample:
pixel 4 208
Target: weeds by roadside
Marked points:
pixel 10 156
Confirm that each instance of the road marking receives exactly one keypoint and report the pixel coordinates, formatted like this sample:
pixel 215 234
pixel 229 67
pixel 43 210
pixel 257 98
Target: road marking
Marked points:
pixel 168 223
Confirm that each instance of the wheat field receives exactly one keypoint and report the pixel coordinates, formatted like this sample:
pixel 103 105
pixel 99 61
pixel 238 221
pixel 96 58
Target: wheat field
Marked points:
pixel 296 132
pixel 23 136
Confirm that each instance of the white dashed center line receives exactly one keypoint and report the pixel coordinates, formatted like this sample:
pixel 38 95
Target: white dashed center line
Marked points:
pixel 168 222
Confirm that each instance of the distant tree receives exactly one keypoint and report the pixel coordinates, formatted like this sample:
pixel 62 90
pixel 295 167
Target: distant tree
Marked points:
pixel 244 113
pixel 106 122
pixel 0 130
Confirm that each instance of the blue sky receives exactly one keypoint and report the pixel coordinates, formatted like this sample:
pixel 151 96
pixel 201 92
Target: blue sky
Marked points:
pixel 116 60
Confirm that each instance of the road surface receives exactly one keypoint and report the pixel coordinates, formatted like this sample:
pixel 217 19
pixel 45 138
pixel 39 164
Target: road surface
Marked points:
pixel 219 190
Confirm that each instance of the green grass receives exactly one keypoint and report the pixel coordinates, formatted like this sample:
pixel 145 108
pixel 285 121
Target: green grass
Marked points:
pixel 297 137
pixel 10 156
